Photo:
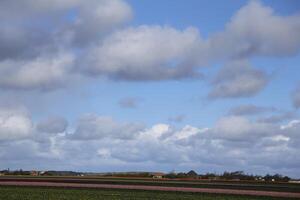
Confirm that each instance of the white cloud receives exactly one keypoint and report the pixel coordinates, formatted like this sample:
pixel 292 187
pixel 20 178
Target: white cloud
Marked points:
pixel 292 130
pixel 14 124
pixel 43 73
pixel 134 53
pixel 156 132
pixel 96 139
pixel 238 128
pixel 43 56
pixel 186 132
pixel 41 40
pixel 256 30
pixel 291 124
pixel 93 127
pixel 144 53
pixel 104 153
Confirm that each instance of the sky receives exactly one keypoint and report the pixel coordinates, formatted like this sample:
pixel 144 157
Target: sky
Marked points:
pixel 130 85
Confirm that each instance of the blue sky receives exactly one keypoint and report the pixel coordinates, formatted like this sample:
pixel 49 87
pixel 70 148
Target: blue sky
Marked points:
pixel 89 81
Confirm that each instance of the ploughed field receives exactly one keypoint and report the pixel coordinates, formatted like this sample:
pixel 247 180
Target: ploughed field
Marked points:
pixel 261 186
pixel 37 193
pixel 22 187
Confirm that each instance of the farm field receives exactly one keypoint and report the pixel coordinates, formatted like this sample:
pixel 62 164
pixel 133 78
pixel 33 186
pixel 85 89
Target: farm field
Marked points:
pixel 260 186
pixel 121 188
pixel 37 193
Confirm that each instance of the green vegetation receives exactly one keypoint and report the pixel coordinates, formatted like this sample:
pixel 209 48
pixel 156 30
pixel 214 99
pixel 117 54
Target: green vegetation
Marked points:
pixel 38 193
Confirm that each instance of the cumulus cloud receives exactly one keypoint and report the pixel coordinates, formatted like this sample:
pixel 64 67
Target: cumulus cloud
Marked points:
pixel 237 128
pixel 144 53
pixel 43 73
pixel 233 139
pixel 95 18
pixel 15 124
pixel 141 53
pixel 93 127
pixel 159 52
pixel 292 130
pixel 250 109
pixel 160 147
pixel 238 79
pixel 256 30
pixel 44 43
pixel 32 36
pixel 91 20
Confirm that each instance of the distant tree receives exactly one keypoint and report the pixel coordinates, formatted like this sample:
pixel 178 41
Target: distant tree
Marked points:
pixel 276 177
pixel 171 175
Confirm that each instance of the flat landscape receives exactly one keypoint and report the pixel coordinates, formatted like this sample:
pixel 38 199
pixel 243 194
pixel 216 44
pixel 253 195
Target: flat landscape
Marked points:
pixel 33 193
pixel 145 99
pixel 125 188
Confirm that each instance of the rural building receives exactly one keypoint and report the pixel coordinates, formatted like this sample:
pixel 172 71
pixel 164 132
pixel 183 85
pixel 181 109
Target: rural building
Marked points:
pixel 34 173
pixel 157 175
pixel 192 173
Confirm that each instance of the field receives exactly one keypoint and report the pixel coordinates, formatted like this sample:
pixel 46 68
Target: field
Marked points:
pixel 31 193
pixel 89 188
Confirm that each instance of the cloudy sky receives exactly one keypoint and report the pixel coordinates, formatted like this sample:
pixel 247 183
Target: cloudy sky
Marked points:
pixel 130 85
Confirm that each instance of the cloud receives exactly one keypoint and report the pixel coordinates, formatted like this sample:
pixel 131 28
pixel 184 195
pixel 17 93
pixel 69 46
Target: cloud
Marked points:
pixel 296 97
pixel 291 130
pixel 15 124
pixel 129 102
pixel 238 79
pixel 97 18
pixel 44 44
pixel 42 73
pixel 93 127
pixel 255 30
pixel 250 110
pixel 161 53
pixel 95 34
pixel 284 116
pixel 117 145
pixel 144 53
pixel 41 40
pixel 52 125
pixel 63 22
pixel 236 128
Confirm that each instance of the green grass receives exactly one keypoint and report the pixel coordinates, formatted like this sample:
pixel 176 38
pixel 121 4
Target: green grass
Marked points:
pixel 38 193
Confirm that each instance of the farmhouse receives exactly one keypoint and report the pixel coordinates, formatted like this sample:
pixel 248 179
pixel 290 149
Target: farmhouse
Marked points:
pixel 34 173
pixel 157 175
pixel 192 174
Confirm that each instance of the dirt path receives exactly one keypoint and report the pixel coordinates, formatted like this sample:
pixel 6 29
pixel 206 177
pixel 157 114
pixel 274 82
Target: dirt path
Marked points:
pixel 160 188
